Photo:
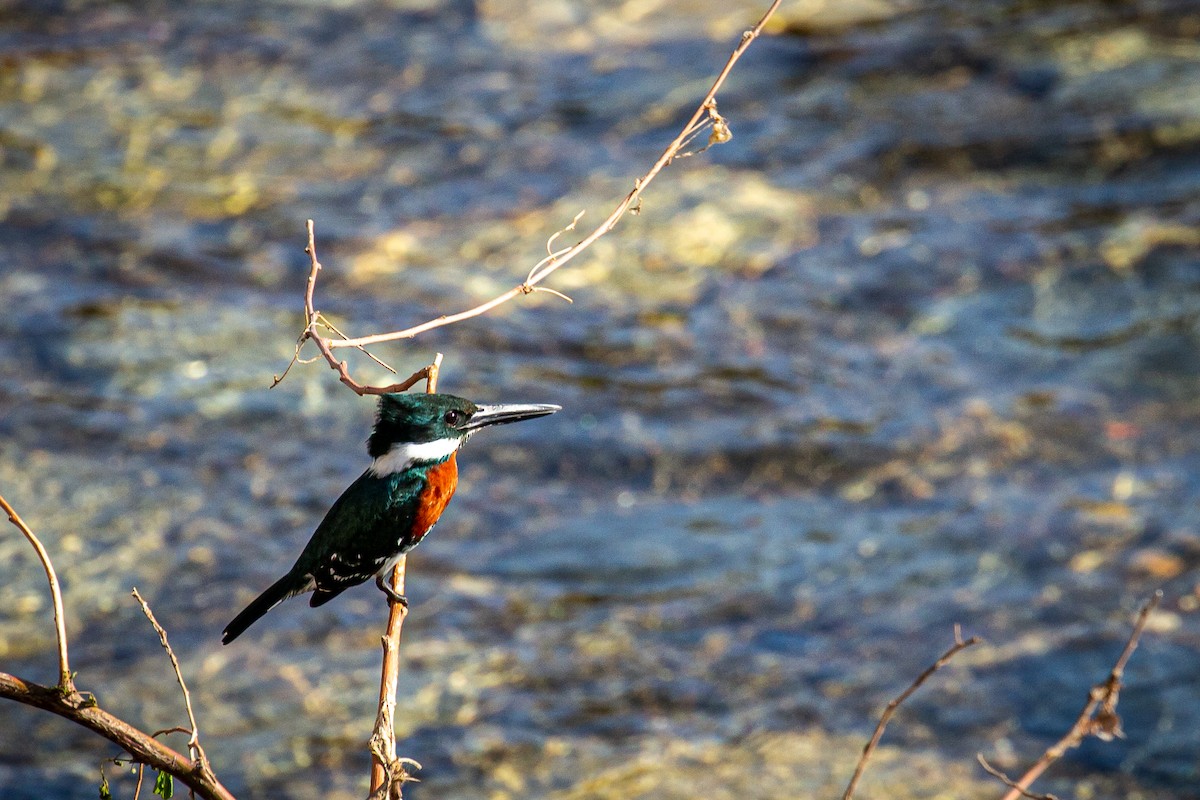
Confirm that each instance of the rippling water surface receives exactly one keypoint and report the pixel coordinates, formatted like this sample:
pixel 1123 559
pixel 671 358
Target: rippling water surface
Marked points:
pixel 918 347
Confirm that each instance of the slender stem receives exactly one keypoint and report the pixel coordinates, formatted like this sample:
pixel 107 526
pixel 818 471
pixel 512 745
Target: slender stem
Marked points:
pixel 869 748
pixel 194 740
pixel 65 681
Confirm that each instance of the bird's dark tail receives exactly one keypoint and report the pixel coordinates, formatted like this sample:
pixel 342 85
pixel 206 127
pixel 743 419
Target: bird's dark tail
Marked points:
pixel 281 590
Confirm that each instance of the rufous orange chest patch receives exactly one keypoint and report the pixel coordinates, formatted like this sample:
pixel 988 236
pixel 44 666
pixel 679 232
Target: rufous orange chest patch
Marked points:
pixel 440 482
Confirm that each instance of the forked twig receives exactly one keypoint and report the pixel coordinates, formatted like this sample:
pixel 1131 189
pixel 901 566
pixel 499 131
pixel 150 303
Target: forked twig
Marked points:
pixel 1099 715
pixel 705 116
pixel 66 681
pixel 959 645
pixel 553 254
pixel 314 321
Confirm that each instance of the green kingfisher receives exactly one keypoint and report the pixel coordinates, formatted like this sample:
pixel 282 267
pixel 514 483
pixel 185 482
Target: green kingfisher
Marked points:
pixel 393 505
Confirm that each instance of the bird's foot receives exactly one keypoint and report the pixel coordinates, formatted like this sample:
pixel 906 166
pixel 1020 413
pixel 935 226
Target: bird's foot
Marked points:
pixel 392 594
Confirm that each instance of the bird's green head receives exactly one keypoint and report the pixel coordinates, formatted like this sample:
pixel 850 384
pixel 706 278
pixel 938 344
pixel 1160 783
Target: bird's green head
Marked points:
pixel 427 428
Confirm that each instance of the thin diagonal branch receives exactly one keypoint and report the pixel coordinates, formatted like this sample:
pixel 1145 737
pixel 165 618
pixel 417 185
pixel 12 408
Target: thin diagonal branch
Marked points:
pixel 705 115
pixel 1009 782
pixel 959 645
pixel 325 321
pixel 65 681
pixel 1099 715
pixel 194 740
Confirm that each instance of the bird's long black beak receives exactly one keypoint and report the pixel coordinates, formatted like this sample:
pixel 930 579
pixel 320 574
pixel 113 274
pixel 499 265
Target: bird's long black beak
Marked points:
pixel 503 414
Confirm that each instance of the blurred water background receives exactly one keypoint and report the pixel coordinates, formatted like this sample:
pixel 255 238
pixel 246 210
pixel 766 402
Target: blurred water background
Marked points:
pixel 918 347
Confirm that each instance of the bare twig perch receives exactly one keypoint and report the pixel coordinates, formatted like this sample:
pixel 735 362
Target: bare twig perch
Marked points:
pixel 705 116
pixel 388 772
pixel 1098 718
pixel 959 645
pixel 82 708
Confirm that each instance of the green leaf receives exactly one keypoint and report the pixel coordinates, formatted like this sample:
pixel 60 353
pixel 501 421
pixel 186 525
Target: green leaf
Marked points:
pixel 105 792
pixel 164 786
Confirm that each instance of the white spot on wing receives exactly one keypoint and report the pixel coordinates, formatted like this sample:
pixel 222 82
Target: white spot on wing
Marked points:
pixel 405 454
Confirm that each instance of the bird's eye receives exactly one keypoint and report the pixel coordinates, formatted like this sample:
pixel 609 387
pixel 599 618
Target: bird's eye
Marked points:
pixel 454 417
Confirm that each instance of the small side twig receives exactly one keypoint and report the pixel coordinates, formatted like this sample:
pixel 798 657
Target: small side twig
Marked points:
pixel 173 729
pixel 194 749
pixel 1098 718
pixel 1009 782
pixel 959 645
pixel 362 350
pixel 66 682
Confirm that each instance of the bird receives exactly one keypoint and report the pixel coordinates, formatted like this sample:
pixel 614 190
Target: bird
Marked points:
pixel 393 505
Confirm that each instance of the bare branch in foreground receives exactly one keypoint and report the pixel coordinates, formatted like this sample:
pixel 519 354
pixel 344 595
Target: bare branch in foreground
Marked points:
pixel 388 773
pixel 1098 718
pixel 705 117
pixel 959 645
pixel 65 680
pixel 81 707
